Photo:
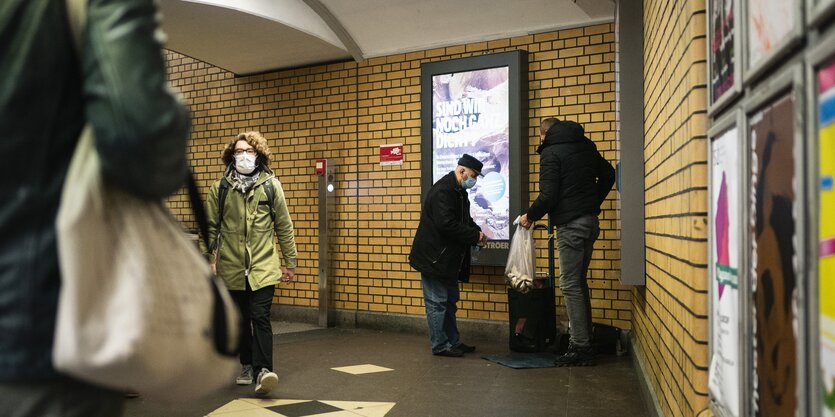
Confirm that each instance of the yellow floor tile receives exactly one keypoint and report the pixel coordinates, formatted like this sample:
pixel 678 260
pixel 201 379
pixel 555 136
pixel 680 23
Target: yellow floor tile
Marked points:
pixel 362 369
pixel 264 403
pixel 255 412
pixel 256 407
pixel 342 413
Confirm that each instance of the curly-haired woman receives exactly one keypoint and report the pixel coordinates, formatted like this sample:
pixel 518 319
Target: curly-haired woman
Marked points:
pixel 246 209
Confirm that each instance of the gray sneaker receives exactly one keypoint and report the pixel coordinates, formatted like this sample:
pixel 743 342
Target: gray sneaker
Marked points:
pixel 245 378
pixel 267 381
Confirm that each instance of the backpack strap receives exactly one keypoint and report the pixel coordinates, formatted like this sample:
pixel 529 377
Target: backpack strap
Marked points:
pixel 270 191
pixel 223 190
pixel 221 203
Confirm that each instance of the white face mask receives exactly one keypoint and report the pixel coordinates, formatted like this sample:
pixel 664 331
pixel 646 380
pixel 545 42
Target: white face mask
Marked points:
pixel 245 163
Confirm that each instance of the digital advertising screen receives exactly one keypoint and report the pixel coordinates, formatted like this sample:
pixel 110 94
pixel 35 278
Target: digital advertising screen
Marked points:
pixel 474 106
pixel 470 115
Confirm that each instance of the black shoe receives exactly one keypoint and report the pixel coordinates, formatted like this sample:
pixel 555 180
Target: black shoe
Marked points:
pixel 452 352
pixel 576 356
pixel 465 348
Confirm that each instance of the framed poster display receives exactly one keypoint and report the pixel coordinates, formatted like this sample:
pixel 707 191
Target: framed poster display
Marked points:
pixel 723 52
pixel 774 120
pixel 478 106
pixel 727 237
pixel 821 206
pixel 818 12
pixel 772 28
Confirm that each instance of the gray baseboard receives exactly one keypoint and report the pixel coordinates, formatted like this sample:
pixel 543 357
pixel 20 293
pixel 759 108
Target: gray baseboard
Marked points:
pixel 404 323
pixel 650 399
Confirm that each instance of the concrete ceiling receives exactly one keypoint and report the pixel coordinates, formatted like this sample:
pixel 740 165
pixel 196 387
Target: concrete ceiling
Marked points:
pixel 252 36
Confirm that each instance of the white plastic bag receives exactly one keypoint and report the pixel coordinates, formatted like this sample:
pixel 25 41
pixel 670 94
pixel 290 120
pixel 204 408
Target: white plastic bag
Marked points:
pixel 521 261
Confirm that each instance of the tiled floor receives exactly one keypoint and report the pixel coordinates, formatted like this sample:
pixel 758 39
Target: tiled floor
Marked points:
pixel 415 384
pixel 300 408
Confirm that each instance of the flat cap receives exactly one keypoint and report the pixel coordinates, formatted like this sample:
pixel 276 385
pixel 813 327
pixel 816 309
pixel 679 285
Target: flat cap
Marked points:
pixel 469 161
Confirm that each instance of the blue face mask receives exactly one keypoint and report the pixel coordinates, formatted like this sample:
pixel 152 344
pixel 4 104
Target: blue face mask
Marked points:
pixel 468 183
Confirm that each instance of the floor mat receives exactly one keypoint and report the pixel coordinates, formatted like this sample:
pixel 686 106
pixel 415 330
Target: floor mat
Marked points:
pixel 517 360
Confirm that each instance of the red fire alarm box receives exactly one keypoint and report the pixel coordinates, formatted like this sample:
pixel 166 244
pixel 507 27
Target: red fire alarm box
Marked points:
pixel 321 166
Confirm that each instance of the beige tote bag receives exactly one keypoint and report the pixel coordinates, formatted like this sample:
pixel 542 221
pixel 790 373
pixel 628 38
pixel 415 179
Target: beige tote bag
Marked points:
pixel 138 308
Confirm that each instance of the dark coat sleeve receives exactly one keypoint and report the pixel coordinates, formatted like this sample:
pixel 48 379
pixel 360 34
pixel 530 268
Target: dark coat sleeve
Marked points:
pixel 141 128
pixel 549 188
pixel 605 178
pixel 444 215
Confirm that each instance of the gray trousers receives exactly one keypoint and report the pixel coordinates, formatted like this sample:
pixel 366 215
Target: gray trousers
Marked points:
pixel 65 398
pixel 575 241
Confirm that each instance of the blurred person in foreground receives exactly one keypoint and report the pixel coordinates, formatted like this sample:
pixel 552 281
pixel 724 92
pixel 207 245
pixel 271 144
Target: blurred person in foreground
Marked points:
pixel 45 99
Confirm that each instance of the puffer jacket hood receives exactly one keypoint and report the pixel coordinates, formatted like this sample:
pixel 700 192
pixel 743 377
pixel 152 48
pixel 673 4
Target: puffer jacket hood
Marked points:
pixel 574 179
pixel 564 131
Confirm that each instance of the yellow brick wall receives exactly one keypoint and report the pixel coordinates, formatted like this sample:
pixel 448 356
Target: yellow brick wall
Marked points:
pixel 670 323
pixel 345 111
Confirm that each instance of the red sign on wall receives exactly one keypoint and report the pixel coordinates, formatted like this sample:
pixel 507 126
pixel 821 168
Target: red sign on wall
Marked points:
pixel 391 154
pixel 321 166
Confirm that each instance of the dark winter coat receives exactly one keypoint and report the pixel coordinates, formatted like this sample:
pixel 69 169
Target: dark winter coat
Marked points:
pixel 574 178
pixel 441 248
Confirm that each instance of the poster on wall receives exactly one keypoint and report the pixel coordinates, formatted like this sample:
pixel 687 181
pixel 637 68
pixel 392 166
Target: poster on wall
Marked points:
pixel 769 24
pixel 723 60
pixel 470 115
pixel 774 276
pixel 724 381
pixel 475 106
pixel 826 235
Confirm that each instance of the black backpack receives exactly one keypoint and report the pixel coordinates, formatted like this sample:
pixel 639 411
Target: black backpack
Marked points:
pixel 221 201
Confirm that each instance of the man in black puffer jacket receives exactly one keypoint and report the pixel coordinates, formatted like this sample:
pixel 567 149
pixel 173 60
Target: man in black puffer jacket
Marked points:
pixel 441 253
pixel 574 180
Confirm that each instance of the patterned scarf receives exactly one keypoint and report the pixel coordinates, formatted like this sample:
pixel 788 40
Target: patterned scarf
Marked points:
pixel 241 182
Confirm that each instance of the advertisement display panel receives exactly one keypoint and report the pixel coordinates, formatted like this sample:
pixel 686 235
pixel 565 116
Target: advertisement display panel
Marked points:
pixel 723 51
pixel 774 258
pixel 726 226
pixel 475 106
pixel 773 28
pixel 470 114
pixel 826 235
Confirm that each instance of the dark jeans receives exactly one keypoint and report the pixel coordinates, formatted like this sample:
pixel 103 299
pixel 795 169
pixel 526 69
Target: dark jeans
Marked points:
pixel 575 241
pixel 440 298
pixel 256 330
pixel 64 398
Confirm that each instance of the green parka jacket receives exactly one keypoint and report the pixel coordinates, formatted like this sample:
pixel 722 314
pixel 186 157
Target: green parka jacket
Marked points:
pixel 246 247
